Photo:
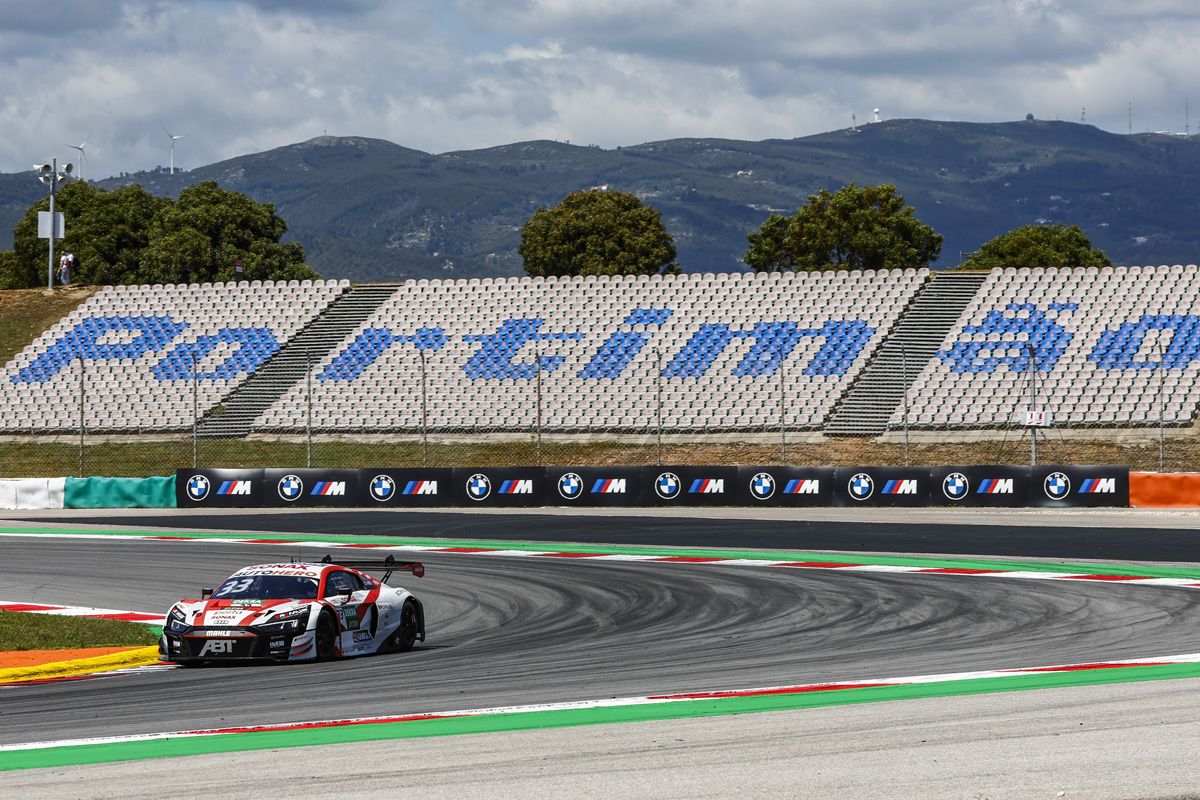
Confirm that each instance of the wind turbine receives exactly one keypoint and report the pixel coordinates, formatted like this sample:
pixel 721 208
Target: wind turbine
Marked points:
pixel 173 137
pixel 82 153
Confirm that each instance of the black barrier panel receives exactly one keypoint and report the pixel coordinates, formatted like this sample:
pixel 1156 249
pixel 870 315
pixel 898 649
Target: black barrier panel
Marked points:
pixel 1058 486
pixel 498 486
pixel 230 488
pixel 979 487
pixel 785 486
pixel 594 486
pixel 310 487
pixel 405 488
pixel 880 486
pixel 689 486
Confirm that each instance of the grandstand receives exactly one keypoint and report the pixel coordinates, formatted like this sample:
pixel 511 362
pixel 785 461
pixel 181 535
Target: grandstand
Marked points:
pixel 1112 347
pixel 139 346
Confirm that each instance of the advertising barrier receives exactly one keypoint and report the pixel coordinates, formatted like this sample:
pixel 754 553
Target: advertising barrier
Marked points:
pixel 880 486
pixel 785 486
pixel 311 487
pixel 595 486
pixel 225 488
pixel 498 486
pixel 690 486
pixel 1053 486
pixel 405 488
pixel 1061 486
pixel 979 487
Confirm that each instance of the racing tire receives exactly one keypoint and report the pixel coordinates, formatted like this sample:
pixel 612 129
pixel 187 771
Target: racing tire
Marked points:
pixel 406 634
pixel 326 637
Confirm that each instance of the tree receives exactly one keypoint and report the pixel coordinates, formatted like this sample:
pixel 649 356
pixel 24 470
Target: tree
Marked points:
pixel 128 235
pixel 866 227
pixel 597 232
pixel 1038 246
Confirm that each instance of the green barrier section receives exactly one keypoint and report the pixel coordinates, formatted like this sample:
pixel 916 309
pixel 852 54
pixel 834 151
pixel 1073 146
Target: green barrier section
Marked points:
pixel 156 492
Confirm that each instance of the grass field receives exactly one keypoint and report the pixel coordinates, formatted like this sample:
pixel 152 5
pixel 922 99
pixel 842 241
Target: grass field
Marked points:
pixel 21 631
pixel 134 458
pixel 25 313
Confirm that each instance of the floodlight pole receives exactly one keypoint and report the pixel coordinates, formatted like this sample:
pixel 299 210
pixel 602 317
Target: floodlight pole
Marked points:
pixel 50 261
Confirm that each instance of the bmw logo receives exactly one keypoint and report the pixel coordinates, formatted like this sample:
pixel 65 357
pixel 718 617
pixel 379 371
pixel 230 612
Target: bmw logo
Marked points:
pixel 667 486
pixel 762 486
pixel 570 486
pixel 478 486
pixel 955 486
pixel 1057 485
pixel 197 487
pixel 382 488
pixel 861 486
pixel 290 487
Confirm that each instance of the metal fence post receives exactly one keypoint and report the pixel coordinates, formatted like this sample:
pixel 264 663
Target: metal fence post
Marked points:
pixel 1032 405
pixel 904 377
pixel 81 411
pixel 195 414
pixel 424 415
pixel 308 401
pixel 537 372
pixel 1162 405
pixel 658 392
pixel 782 416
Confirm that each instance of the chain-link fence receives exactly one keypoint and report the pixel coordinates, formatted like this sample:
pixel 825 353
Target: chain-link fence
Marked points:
pixel 421 413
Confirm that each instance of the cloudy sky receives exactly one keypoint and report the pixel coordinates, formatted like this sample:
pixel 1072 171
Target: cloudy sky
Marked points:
pixel 240 77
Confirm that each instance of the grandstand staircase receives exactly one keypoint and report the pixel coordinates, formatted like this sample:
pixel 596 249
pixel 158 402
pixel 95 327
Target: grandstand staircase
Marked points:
pixel 866 407
pixel 236 414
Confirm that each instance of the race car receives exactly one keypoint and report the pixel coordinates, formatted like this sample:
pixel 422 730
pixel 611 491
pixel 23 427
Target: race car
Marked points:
pixel 296 611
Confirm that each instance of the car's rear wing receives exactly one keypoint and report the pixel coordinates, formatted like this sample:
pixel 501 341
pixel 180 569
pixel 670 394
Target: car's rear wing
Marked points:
pixel 388 565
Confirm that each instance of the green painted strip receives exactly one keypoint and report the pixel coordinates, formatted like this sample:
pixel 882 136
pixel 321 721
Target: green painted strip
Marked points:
pixel 493 723
pixel 1139 570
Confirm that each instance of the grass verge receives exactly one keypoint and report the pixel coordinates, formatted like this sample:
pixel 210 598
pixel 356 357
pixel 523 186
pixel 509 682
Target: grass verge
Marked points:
pixel 34 457
pixel 23 631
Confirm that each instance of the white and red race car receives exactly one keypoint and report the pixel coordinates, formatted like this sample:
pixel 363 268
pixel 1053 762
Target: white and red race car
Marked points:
pixel 296 611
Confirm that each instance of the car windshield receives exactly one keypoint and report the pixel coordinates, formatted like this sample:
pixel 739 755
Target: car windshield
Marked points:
pixel 267 587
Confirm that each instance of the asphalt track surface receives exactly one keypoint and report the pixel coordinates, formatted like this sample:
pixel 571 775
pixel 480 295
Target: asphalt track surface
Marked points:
pixel 1033 541
pixel 515 631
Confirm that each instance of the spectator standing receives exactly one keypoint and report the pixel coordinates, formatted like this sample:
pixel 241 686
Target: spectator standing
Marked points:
pixel 239 270
pixel 64 268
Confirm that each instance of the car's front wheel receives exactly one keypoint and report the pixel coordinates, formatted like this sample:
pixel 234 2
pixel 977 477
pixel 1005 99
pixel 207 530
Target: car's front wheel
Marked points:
pixel 327 631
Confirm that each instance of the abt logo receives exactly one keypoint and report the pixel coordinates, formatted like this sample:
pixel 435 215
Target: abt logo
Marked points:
pixel 217 647
pixel 328 489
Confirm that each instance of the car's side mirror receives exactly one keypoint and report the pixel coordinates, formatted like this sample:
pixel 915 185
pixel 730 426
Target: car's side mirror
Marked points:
pixel 346 593
pixel 206 593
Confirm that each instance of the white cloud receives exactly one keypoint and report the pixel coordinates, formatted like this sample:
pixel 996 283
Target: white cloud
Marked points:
pixel 236 77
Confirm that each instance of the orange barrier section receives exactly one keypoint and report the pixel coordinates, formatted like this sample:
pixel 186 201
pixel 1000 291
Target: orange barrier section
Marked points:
pixel 1164 490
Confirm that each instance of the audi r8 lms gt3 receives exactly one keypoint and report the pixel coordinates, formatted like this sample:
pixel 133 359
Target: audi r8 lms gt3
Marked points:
pixel 296 611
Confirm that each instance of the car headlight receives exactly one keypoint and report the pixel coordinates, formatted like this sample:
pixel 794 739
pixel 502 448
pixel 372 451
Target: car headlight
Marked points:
pixel 293 621
pixel 176 622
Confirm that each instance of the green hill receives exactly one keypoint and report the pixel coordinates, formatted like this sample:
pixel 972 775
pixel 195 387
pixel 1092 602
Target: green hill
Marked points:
pixel 368 209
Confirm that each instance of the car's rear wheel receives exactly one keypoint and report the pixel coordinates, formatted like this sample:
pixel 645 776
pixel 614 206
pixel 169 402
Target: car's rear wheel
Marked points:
pixel 406 635
pixel 326 637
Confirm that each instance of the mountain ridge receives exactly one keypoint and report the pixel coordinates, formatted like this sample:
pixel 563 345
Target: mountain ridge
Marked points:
pixel 370 209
